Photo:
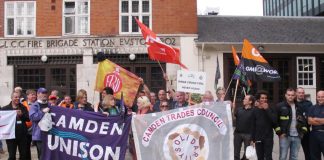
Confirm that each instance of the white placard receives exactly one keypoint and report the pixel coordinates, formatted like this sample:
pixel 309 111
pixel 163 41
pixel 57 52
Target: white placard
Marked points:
pixel 193 82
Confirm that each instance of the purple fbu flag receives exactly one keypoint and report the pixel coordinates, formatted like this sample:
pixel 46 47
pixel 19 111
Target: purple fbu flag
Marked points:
pixel 80 134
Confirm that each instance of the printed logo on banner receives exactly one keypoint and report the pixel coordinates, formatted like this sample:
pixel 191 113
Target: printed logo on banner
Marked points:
pixel 113 81
pixel 187 141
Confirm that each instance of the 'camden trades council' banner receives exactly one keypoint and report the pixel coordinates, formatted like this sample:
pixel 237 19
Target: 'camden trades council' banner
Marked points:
pixel 85 135
pixel 200 132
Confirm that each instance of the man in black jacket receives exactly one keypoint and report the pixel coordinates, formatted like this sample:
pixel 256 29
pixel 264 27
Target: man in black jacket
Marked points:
pixel 305 106
pixel 264 120
pixel 292 126
pixel 20 130
pixel 243 128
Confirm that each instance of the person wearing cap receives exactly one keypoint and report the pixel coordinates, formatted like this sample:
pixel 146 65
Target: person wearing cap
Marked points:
pixel 52 100
pixel 20 139
pixel 36 113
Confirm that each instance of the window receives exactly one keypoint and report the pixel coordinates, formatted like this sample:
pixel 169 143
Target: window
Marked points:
pixel 20 18
pixel 306 71
pixel 76 19
pixel 131 9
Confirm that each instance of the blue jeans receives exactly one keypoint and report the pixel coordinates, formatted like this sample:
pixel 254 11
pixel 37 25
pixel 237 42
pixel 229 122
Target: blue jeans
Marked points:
pixel 286 143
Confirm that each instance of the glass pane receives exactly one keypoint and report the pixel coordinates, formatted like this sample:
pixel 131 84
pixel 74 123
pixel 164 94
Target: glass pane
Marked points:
pixel 30 9
pixel 306 75
pixel 10 26
pixel 124 6
pixel 30 26
pixel 134 24
pixel 310 61
pixel 83 25
pixel 135 6
pixel 310 68
pixel 125 24
pixel 310 82
pixel 83 8
pixel 145 6
pixel 69 24
pixel 300 61
pixel 146 21
pixel 300 68
pixel 305 82
pixel 69 7
pixel 10 9
pixel 20 22
pixel 20 9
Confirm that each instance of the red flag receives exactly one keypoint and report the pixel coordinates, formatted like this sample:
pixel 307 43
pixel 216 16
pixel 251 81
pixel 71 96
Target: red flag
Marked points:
pixel 235 57
pixel 158 50
pixel 145 31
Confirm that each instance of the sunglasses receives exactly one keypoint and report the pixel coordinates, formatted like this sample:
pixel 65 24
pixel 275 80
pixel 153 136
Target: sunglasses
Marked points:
pixel 164 106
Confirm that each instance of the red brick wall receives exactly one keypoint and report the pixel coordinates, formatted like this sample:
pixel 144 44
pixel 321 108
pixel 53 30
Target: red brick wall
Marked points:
pixel 104 17
pixel 174 16
pixel 49 19
pixel 169 17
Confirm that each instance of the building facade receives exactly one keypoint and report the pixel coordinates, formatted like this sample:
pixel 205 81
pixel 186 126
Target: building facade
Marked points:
pixel 293 7
pixel 53 43
pixel 295 49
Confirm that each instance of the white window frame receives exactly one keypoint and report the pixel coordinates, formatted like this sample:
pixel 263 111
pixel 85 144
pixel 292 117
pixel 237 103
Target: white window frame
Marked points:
pixel 313 72
pixel 15 16
pixel 76 15
pixel 140 14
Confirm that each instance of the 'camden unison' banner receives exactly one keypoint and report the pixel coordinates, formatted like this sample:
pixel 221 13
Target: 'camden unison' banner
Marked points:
pixel 85 135
pixel 7 124
pixel 200 132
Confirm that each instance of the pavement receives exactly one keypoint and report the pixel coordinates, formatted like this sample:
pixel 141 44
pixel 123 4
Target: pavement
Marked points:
pixel 275 153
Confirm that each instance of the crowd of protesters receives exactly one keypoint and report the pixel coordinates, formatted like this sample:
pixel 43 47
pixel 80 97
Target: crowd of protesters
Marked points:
pixel 296 120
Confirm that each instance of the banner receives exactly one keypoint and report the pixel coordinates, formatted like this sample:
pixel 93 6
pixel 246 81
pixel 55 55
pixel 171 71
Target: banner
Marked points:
pixel 84 135
pixel 190 81
pixel 7 124
pixel 256 67
pixel 119 79
pixel 199 132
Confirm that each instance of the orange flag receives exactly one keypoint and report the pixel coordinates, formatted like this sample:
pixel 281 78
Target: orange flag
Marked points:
pixel 255 66
pixel 235 57
pixel 119 79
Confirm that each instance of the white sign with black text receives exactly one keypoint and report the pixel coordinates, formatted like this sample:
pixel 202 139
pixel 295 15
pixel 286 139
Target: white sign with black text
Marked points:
pixel 190 81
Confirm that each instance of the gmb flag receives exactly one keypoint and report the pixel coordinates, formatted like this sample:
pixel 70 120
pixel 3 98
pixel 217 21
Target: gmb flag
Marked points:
pixel 202 131
pixel 119 79
pixel 256 67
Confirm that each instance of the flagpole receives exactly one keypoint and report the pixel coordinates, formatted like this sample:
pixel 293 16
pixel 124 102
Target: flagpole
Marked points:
pixel 228 86
pixel 234 100
pixel 161 66
pixel 244 91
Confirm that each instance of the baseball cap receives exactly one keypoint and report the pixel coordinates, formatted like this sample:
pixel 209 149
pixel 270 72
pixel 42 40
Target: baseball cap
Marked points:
pixel 41 90
pixel 52 97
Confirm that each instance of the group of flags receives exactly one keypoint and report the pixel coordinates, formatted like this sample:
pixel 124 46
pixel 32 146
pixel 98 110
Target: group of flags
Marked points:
pixel 250 67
